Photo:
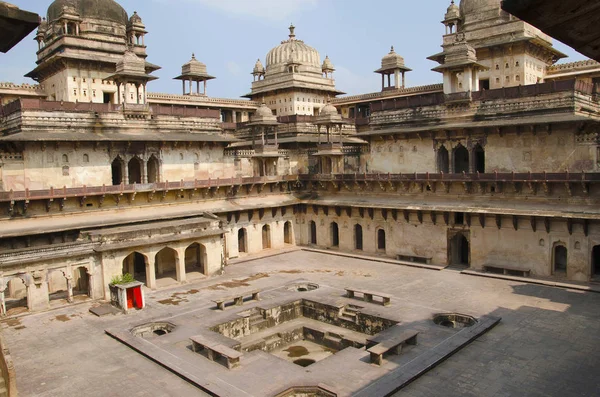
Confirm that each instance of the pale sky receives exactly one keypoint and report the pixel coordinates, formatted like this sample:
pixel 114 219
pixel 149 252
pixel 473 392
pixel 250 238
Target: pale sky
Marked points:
pixel 230 35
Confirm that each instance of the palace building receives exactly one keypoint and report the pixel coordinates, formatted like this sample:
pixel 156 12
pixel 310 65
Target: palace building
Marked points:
pixel 495 167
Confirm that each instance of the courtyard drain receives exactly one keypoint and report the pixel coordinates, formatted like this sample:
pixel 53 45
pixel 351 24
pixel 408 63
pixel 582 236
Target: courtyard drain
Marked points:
pixel 454 320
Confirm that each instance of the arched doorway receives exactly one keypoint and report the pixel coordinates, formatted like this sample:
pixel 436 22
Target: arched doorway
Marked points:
pixel 16 297
pixel 195 259
pixel 117 171
pixel 287 233
pixel 135 264
pixel 479 159
pixel 443 160
pixel 312 232
pixel 153 170
pixel 57 287
pixel 165 265
pixel 335 234
pixel 266 237
pixel 134 167
pixel 81 284
pixel 560 258
pixel 459 250
pixel 358 237
pixel 381 240
pixel 461 159
pixel 596 261
pixel 242 239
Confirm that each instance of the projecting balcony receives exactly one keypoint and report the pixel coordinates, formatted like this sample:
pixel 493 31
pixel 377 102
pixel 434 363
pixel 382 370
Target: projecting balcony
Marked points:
pixel 458 98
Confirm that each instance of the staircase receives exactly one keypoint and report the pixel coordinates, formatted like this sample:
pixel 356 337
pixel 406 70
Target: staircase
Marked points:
pixel 350 313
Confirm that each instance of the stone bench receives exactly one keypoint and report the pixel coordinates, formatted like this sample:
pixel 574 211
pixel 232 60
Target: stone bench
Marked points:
pixel 415 259
pixel 507 270
pixel 238 300
pixel 393 344
pixel 215 350
pixel 367 296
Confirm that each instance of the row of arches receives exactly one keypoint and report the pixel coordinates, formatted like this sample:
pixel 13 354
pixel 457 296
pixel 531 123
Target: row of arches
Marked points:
pixel 166 263
pixel 59 287
pixel 135 170
pixel 460 160
pixel 334 236
pixel 242 237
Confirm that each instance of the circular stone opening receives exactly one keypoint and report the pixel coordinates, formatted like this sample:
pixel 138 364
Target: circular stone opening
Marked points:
pixel 454 320
pixel 302 289
pixel 304 362
pixel 152 329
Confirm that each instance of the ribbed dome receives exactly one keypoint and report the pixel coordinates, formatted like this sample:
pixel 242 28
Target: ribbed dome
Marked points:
pixel 263 111
pixel 107 10
pixel 302 53
pixel 327 65
pixel 469 6
pixel 328 110
pixel 453 12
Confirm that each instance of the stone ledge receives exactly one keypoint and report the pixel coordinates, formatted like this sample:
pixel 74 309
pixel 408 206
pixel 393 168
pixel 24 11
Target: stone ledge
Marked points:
pixel 537 281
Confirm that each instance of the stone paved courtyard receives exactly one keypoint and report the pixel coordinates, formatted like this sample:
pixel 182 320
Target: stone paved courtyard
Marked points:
pixel 545 345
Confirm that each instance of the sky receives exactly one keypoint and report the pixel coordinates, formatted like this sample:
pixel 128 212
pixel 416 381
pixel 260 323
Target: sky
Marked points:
pixel 230 35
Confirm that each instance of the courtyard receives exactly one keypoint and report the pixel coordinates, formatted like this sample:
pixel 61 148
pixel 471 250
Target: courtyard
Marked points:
pixel 544 345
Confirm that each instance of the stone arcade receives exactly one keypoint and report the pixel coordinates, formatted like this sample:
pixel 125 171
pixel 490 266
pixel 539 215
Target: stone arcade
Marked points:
pixel 494 170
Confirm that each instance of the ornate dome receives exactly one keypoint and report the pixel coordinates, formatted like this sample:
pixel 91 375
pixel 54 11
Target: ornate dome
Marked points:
pixel 327 65
pixel 258 67
pixel 107 10
pixel 453 12
pixel 263 111
pixel 328 110
pixel 392 60
pixel 469 6
pixel 302 53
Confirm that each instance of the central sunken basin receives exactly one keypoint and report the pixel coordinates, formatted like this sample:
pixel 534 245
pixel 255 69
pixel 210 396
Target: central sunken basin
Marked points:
pixel 303 331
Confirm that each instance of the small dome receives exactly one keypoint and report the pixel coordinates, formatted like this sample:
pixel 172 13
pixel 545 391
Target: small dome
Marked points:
pixel 258 67
pixel 327 65
pixel 328 110
pixel 194 66
pixel 301 53
pixel 263 111
pixel 453 12
pixel 107 10
pixel 392 60
pixel 135 19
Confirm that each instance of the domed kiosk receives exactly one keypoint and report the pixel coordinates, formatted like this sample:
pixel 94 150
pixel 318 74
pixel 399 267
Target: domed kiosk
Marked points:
pixel 91 36
pixel 293 80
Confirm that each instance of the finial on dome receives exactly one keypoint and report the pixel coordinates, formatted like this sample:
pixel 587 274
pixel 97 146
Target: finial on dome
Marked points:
pixel 193 55
pixel 292 31
pixel 392 50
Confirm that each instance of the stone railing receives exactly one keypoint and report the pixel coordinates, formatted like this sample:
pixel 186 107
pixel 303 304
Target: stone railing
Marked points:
pixel 24 86
pixel 386 94
pixel 523 177
pixel 88 191
pixel 563 67
pixel 157 97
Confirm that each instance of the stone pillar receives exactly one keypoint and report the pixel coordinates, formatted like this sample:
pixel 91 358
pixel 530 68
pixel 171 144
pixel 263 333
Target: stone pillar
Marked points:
pixel 382 81
pixel 389 76
pixel 447 82
pixel 467 80
pixel 403 79
pixel 198 86
pixel 180 265
pixel 183 87
pixel 397 78
pixel 69 288
pixel 204 87
pixel 144 171
pixel 77 29
pixel 37 293
pixel 137 93
pixel 150 272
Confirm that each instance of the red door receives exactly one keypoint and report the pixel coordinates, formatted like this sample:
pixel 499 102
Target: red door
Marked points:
pixel 137 293
pixel 130 298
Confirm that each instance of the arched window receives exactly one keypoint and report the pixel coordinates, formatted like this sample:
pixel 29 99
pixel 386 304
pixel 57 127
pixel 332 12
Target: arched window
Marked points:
pixel 479 159
pixel 242 246
pixel 381 239
pixel 358 237
pixel 443 160
pixel 312 232
pixel 117 171
pixel 287 233
pixel 335 234
pixel 153 170
pixel 461 159
pixel 135 170
pixel 266 236
pixel 86 158
pixel 65 158
pixel 560 258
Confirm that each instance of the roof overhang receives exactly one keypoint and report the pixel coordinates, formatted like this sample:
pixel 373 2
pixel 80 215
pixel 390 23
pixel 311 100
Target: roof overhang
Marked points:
pixel 572 22
pixel 15 25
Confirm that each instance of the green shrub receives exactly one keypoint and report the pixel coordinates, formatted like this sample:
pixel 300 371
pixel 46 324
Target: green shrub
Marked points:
pixel 124 279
